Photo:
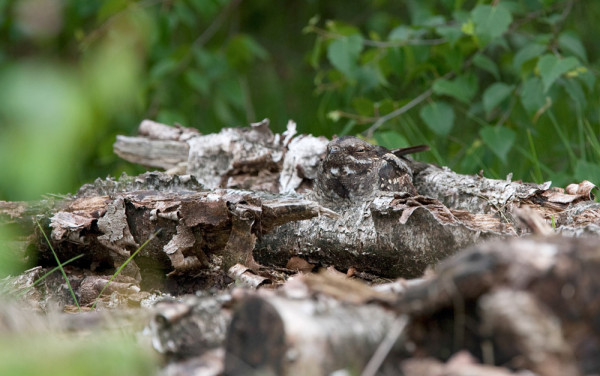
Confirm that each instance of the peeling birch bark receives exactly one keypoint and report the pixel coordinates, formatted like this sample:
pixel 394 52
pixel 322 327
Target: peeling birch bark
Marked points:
pixel 391 237
pixel 279 336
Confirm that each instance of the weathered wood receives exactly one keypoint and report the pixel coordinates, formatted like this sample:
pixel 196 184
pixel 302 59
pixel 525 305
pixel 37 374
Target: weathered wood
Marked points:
pixel 197 229
pixel 164 154
pixel 392 237
pixel 251 158
pixel 280 336
pixel 525 303
pixel 158 131
pixel 189 326
pixel 460 364
pixel 157 146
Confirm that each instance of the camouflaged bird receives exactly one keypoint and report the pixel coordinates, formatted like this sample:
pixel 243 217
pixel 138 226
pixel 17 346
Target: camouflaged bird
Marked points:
pixel 354 170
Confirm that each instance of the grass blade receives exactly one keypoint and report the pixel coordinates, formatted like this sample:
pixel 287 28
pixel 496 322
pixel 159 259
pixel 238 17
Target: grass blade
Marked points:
pixel 534 159
pixel 62 270
pixel 48 273
pixel 123 265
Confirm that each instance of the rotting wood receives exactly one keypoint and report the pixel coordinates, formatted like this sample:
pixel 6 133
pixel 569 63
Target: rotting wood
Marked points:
pixel 520 303
pixel 246 152
pixel 392 236
pixel 526 304
pixel 293 159
pixel 190 326
pixel 200 231
pixel 452 211
pixel 281 336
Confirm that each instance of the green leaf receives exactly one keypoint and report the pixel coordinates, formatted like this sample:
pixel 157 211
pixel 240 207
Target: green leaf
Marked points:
pixel 499 139
pixel 454 58
pixel 585 170
pixel 315 54
pixel 468 27
pixel 198 81
pixel 439 117
pixel 110 8
pixel 532 95
pixel 363 106
pixel 401 33
pixel 569 41
pixel 390 139
pixel 368 77
pixel 575 91
pixel 527 53
pixel 242 50
pixel 184 14
pixel 495 94
pixel 433 21
pixel 343 54
pixel 386 106
pixel 163 68
pixel 490 22
pixel 342 28
pixel 463 87
pixel 551 68
pixel 451 33
pixel 206 9
pixel 483 62
pixel 588 79
pixel 230 91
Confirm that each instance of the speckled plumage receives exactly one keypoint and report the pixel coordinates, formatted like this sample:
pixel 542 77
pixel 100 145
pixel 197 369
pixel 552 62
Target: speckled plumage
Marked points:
pixel 354 170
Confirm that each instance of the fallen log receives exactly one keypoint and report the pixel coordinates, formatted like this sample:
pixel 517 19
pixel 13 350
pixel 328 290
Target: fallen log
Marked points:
pixel 194 232
pixel 281 336
pixel 527 304
pixel 391 236
pixel 394 236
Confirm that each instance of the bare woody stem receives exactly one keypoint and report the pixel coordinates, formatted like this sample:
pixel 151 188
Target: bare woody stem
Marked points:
pixel 417 100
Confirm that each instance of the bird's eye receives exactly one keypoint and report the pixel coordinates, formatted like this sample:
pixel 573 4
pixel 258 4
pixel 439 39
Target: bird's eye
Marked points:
pixel 360 149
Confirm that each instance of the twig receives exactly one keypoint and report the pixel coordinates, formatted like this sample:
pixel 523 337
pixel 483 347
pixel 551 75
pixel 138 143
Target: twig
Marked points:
pixel 382 44
pixel 424 95
pixel 413 42
pixel 415 101
pixel 215 25
pixel 96 33
pixel 385 346
pixel 538 13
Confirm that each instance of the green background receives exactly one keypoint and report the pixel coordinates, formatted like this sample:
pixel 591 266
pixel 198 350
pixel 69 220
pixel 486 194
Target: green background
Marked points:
pixel 511 84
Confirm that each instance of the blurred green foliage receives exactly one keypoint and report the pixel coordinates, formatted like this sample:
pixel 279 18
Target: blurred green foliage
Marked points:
pixel 500 86
pixel 64 354
pixel 503 86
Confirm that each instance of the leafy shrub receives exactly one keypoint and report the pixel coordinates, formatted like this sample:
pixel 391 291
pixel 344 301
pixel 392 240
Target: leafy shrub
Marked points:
pixel 503 86
pixel 506 86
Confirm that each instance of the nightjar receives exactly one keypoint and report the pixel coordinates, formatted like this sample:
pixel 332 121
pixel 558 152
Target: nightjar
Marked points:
pixel 355 171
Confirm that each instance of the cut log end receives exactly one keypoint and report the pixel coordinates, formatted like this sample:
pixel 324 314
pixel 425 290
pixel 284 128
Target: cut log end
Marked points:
pixel 255 340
